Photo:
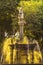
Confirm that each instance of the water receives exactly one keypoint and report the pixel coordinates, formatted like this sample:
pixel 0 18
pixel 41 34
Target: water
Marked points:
pixel 20 56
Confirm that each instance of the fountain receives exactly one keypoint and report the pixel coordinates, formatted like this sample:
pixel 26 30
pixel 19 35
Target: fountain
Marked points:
pixel 17 45
pixel 18 50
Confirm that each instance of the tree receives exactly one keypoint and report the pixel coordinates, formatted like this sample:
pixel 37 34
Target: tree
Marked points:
pixel 33 15
pixel 8 16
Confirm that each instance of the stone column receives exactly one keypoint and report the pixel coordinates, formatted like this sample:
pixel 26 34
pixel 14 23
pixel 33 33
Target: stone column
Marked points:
pixel 21 22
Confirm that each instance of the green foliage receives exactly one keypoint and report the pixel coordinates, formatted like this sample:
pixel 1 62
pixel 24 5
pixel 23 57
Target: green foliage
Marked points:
pixel 8 16
pixel 33 11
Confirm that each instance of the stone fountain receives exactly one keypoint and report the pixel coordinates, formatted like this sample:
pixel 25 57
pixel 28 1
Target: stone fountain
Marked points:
pixel 22 50
pixel 18 46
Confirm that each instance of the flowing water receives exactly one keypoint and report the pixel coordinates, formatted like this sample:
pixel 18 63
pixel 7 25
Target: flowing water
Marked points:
pixel 24 56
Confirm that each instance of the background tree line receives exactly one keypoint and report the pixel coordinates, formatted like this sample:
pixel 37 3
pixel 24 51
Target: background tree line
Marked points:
pixel 33 11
